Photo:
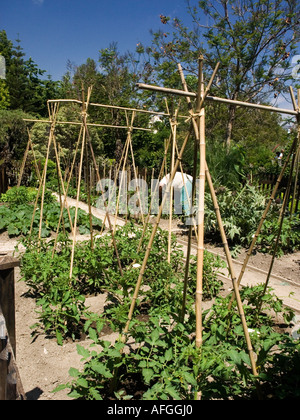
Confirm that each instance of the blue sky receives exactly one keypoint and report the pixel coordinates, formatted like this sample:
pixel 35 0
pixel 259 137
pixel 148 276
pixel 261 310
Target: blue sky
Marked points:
pixel 54 31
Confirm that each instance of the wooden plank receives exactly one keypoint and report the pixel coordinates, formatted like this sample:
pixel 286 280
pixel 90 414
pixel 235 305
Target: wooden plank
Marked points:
pixel 11 387
pixel 7 295
pixel 8 262
pixel 3 358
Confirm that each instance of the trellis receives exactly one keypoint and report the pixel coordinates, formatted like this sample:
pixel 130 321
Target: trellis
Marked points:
pixel 84 147
pixel 196 127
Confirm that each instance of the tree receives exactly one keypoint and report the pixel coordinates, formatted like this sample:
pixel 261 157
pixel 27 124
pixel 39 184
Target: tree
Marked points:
pixel 253 41
pixel 24 88
pixel 17 78
pixel 13 134
pixel 4 95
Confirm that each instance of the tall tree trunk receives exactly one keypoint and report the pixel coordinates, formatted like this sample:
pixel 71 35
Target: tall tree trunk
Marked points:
pixel 231 118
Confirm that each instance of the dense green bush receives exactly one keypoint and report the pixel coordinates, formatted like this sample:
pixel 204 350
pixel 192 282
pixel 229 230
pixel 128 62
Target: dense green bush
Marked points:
pixel 17 213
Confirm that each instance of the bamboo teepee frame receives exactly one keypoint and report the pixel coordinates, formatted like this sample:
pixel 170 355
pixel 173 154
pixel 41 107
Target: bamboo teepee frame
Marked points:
pixel 82 145
pixel 196 127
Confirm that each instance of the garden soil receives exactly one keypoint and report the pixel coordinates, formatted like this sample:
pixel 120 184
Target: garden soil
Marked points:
pixel 43 365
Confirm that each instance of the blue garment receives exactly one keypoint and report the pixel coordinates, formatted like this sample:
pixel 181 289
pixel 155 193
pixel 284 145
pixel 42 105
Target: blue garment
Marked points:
pixel 186 200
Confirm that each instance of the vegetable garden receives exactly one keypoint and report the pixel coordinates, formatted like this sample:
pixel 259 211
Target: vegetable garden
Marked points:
pixel 170 346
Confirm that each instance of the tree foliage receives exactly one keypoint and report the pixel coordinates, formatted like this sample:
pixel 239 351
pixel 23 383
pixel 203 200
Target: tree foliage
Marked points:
pixel 24 88
pixel 252 40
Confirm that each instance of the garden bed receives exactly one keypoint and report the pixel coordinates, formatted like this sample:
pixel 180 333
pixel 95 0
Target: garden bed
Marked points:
pixel 43 364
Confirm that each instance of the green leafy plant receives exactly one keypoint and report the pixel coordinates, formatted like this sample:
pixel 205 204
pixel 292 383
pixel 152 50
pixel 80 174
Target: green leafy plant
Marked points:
pixel 289 240
pixel 16 215
pixel 164 363
pixel 241 213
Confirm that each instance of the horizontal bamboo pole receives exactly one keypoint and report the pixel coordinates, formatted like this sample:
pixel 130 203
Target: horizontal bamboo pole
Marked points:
pixel 217 99
pixel 122 108
pixel 88 124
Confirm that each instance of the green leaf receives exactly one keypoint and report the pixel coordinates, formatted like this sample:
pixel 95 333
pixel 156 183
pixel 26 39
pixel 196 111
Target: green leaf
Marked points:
pixel 83 352
pixel 59 338
pixel 93 335
pixel 235 356
pixel 60 388
pixel 101 369
pixel 169 354
pixel 172 392
pixel 154 336
pixel 148 375
pixel 75 394
pixel 12 230
pixel 190 378
pixel 83 383
pixel 74 372
pixel 95 394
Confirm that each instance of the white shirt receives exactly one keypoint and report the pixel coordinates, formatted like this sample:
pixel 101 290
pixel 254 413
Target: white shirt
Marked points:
pixel 178 181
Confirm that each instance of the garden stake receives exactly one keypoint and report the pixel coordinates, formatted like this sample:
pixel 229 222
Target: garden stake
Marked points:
pixel 126 148
pixel 284 206
pixel 187 263
pixel 66 193
pixel 271 199
pixel 148 250
pixel 232 273
pixel 167 145
pixel 43 178
pixel 173 123
pixel 52 128
pixel 279 179
pixel 104 202
pixel 134 168
pixel 89 195
pixel 224 240
pixel 84 117
pixel 150 243
pixel 200 243
pixel 61 182
pixel 24 160
pixel 297 161
pixel 29 145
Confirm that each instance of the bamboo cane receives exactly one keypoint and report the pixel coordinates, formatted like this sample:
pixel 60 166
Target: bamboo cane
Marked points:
pixel 77 202
pixel 121 181
pixel 271 199
pixel 173 123
pixel 65 203
pixel 232 272
pixel 105 205
pixel 34 158
pixel 54 115
pixel 200 243
pixel 89 196
pixel 284 206
pixel 217 99
pixel 225 244
pixel 167 145
pixel 60 179
pixel 150 243
pixel 187 263
pixel 24 161
pixel 134 169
